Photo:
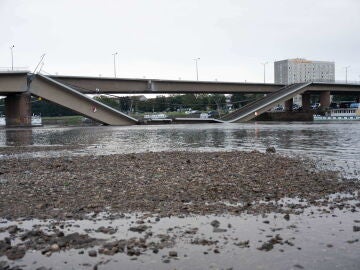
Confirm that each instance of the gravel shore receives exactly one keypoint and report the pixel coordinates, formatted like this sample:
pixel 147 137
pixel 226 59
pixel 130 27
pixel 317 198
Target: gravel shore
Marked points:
pixel 98 208
pixel 164 184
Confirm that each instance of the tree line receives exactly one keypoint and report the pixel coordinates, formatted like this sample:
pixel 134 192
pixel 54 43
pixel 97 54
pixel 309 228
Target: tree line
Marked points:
pixel 171 103
pixel 140 104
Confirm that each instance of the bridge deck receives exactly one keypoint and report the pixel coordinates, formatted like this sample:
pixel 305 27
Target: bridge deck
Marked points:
pixel 11 82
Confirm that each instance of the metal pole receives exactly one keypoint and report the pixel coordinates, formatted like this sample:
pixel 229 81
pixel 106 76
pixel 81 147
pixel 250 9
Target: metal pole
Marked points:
pixel 196 65
pixel 264 64
pixel 346 71
pixel 114 54
pixel 12 57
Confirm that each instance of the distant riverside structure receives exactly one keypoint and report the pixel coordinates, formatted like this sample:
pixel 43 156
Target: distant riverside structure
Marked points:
pixel 301 70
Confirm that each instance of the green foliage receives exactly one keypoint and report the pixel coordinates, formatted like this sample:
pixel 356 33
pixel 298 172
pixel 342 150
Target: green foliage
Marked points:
pixel 63 120
pixel 201 102
pixel 241 99
pixel 172 103
pixel 337 98
pixel 112 102
pixel 46 108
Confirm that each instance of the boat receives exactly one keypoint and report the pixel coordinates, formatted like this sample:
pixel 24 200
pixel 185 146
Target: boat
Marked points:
pixel 342 114
pixel 160 116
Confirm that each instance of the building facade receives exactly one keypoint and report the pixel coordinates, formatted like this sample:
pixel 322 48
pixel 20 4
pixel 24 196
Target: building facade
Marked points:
pixel 300 70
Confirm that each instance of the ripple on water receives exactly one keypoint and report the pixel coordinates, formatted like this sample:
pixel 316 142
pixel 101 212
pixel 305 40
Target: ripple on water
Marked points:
pixel 333 145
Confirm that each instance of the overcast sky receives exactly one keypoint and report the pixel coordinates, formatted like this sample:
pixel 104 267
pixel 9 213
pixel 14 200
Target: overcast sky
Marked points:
pixel 160 38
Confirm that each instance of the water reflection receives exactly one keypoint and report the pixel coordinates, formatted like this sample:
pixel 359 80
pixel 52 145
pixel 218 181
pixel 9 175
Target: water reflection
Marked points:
pixel 19 137
pixel 334 143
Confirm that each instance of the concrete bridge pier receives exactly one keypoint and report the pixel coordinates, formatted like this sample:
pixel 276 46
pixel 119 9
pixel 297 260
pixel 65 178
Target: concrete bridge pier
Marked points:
pixel 288 105
pixel 18 110
pixel 305 100
pixel 325 99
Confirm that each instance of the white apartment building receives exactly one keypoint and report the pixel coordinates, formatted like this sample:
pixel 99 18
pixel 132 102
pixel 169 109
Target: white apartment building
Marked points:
pixel 300 70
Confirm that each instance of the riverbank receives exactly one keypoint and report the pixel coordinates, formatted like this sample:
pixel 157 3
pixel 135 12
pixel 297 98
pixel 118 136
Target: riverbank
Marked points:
pixel 165 183
pixel 187 209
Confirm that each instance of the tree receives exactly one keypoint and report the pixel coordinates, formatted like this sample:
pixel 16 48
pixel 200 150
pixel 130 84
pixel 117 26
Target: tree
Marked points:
pixel 337 98
pixel 47 108
pixel 241 99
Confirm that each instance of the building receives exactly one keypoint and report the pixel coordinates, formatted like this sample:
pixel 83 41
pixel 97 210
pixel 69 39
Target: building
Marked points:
pixel 300 70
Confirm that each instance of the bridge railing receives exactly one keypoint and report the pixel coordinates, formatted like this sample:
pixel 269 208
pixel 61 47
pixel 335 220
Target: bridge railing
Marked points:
pixel 10 69
pixel 338 82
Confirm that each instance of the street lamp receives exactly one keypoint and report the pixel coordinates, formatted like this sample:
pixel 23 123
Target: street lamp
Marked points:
pixel 115 54
pixel 346 71
pixel 264 64
pixel 196 65
pixel 12 57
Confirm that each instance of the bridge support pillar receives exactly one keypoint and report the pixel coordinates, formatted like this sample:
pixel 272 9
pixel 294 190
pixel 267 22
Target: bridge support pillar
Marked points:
pixel 325 99
pixel 288 105
pixel 18 110
pixel 305 100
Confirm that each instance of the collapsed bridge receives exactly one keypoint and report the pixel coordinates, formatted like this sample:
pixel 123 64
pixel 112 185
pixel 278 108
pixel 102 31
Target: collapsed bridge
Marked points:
pixel 70 92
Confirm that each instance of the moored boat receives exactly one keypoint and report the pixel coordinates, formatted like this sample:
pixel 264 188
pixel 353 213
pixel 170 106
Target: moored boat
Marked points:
pixel 341 114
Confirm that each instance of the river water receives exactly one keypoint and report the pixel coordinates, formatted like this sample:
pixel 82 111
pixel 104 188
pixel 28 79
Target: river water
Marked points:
pixel 332 145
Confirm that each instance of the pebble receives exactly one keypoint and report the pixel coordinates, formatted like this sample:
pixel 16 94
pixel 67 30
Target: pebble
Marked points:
pixel 92 253
pixel 215 223
pixel 55 247
pixel 173 254
pixel 271 150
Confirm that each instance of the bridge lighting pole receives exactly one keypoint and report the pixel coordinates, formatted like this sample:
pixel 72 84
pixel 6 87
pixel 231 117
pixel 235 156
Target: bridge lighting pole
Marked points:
pixel 346 72
pixel 264 64
pixel 12 57
pixel 115 54
pixel 196 65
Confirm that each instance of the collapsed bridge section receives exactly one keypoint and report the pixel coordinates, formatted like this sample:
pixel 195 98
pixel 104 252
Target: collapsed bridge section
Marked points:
pixel 54 91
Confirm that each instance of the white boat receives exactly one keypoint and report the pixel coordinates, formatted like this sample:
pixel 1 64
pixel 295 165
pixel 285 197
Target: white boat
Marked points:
pixel 155 116
pixel 36 120
pixel 341 114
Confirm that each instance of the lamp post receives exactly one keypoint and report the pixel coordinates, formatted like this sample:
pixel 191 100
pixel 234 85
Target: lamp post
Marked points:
pixel 196 65
pixel 264 64
pixel 346 72
pixel 115 54
pixel 12 57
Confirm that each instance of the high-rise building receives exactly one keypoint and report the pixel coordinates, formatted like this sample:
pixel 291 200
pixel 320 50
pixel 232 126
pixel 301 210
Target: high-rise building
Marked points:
pixel 301 70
